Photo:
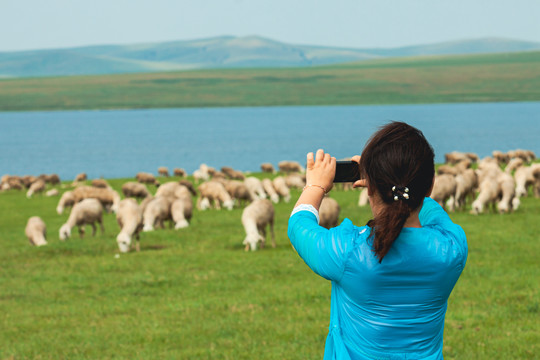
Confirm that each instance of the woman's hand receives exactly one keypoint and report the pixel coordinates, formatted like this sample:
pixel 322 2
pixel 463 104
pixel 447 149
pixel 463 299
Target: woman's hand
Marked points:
pixel 362 182
pixel 320 171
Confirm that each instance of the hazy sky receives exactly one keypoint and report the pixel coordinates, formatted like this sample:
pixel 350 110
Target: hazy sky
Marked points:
pixel 38 24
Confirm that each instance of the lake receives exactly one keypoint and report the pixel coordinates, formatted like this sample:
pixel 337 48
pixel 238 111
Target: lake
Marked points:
pixel 120 143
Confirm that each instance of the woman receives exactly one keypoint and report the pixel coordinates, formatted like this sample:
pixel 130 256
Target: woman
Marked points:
pixel 391 279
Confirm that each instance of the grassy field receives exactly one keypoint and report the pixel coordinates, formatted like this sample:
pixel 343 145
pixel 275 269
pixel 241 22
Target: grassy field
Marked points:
pixel 472 78
pixel 195 294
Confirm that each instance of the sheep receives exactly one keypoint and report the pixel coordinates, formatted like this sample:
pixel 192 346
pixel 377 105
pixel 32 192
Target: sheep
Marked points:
pixel 12 182
pixel 281 188
pixel 255 217
pixel 37 186
pixel 156 213
pixel 508 200
pixel 500 157
pixel 472 157
pixel 28 180
pixel 135 190
pixel 189 186
pixel 80 178
pixel 328 213
pixel 466 183
pixel 536 175
pixel 295 181
pixel 488 194
pixel 100 183
pixel 66 200
pixel 199 175
pixel 173 190
pixel 163 171
pixel 444 188
pixel 52 179
pixel 363 198
pixel 130 220
pixel 181 212
pixel 214 191
pixel 237 189
pixel 290 166
pixel 269 189
pixel 255 188
pixel 232 174
pixel 108 197
pixel 146 178
pixel 446 169
pixel 52 192
pixel 179 172
pixel 86 212
pixel 524 177
pixel 36 231
pixel 454 157
pixel 513 165
pixel 267 167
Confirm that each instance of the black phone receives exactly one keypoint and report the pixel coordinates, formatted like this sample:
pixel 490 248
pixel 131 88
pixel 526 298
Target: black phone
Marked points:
pixel 347 171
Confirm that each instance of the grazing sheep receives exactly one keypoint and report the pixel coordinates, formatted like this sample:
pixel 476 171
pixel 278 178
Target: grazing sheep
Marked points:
pixel 86 212
pixel 28 180
pixel 100 183
pixel 163 171
pixel 156 213
pixel 488 195
pixel 454 157
pixel 238 190
pixel 52 179
pixel 524 177
pixel 255 217
pixel 52 192
pixel 281 188
pixel 269 189
pixel 130 220
pixel 328 213
pixel 189 185
pixel 513 165
pixel 9 182
pixel 109 198
pixel 500 157
pixel 444 188
pixel 290 166
pixel 66 200
pixel 507 190
pixel 173 190
pixel 214 192
pixel 146 178
pixel 363 198
pixel 255 188
pixel 466 183
pixel 232 174
pixel 267 167
pixel 36 231
pixel 179 172
pixel 37 186
pixel 135 190
pixel 472 156
pixel 80 177
pixel 446 169
pixel 181 212
pixel 295 181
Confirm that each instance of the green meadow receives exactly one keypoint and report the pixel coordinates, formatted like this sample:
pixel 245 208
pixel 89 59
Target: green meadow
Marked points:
pixel 195 293
pixel 435 79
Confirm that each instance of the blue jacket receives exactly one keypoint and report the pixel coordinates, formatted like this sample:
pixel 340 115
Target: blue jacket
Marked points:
pixel 389 310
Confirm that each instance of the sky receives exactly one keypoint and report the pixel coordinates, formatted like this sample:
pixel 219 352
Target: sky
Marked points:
pixel 38 24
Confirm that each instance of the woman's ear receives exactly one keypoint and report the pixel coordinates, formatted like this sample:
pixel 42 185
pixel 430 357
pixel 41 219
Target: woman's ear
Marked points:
pixel 431 188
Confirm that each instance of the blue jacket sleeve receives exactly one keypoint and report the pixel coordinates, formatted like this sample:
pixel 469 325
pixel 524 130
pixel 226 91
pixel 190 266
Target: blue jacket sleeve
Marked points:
pixel 324 251
pixel 433 215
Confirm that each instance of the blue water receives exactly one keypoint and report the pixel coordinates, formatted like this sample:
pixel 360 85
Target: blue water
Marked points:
pixel 120 143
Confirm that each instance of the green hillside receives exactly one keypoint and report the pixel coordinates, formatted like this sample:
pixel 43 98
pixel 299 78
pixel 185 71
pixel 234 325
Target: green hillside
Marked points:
pixel 442 79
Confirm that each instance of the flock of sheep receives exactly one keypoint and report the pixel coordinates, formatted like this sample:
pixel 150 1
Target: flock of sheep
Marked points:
pixel 173 201
pixel 498 181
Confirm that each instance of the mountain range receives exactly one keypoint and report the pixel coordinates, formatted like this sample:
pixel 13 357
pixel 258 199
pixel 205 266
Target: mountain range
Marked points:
pixel 222 52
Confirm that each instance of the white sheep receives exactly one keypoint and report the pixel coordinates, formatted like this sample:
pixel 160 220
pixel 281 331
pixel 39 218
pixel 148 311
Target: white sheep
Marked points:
pixel 37 186
pixel 52 192
pixel 66 200
pixel 507 193
pixel 281 188
pixel 214 192
pixel 109 198
pixel 295 181
pixel 466 184
pixel 290 166
pixel 181 212
pixel 267 167
pixel 146 178
pixel 255 218
pixel 157 211
pixel 36 231
pixel 513 165
pixel 86 212
pixel 328 213
pixel 444 188
pixel 135 190
pixel 255 188
pixel 363 198
pixel 488 195
pixel 237 189
pixel 524 177
pixel 163 171
pixel 173 190
pixel 270 190
pixel 129 218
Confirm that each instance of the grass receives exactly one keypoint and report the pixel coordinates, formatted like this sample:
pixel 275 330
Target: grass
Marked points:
pixel 195 294
pixel 441 79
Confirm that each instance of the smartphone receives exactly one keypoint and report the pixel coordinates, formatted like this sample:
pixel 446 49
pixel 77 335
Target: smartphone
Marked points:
pixel 347 171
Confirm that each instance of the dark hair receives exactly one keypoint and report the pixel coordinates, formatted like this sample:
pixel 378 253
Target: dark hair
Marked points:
pixel 396 155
